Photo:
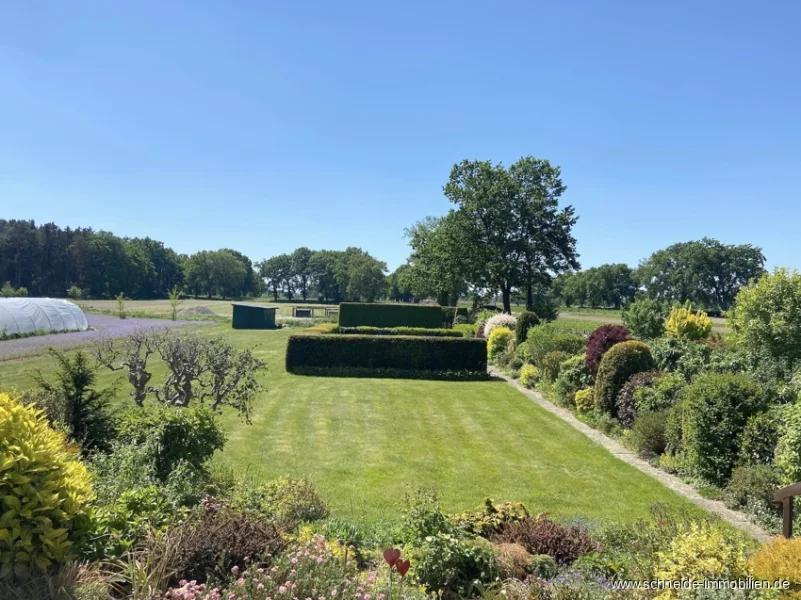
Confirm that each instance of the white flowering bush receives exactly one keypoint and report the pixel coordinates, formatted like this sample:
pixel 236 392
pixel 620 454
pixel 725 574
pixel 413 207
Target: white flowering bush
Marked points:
pixel 500 320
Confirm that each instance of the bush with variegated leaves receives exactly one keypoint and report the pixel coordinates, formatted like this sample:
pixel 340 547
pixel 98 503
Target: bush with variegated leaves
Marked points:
pixel 44 491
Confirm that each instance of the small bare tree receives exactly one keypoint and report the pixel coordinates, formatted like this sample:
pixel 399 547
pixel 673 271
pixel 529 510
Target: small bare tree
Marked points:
pixel 198 369
pixel 131 355
pixel 175 301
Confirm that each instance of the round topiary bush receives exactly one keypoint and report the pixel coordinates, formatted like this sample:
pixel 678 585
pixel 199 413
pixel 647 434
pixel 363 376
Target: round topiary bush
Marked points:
pixel 621 362
pixel 600 341
pixel 585 400
pixel 525 321
pixel 44 491
pixel 716 408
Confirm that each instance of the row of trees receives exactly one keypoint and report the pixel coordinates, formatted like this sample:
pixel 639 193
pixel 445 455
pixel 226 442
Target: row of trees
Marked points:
pixel 706 273
pixel 330 275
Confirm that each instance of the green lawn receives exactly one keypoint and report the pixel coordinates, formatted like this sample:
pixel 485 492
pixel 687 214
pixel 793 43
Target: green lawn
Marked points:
pixel 364 440
pixel 219 307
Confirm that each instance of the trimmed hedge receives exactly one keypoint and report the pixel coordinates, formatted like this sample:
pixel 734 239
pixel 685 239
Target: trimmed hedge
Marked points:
pixel 355 314
pixel 398 331
pixel 393 352
pixel 449 314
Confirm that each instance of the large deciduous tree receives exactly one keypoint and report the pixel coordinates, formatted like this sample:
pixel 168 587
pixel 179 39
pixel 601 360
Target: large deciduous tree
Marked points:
pixel 517 234
pixel 705 272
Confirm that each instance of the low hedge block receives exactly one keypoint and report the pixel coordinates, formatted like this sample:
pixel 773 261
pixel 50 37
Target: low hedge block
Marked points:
pixel 414 331
pixel 354 314
pixel 388 352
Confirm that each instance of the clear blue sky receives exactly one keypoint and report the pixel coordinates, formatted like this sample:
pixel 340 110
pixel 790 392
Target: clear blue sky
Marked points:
pixel 265 126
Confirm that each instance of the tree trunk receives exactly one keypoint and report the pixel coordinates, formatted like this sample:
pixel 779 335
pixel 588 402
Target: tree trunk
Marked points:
pixel 529 294
pixel 506 293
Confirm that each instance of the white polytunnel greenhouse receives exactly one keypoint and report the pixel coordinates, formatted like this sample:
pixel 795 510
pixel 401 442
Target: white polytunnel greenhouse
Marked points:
pixel 21 316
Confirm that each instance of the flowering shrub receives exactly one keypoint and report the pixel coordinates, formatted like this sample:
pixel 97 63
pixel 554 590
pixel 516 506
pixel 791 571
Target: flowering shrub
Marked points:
pixel 500 320
pixel 683 323
pixel 44 491
pixel 600 341
pixel 498 341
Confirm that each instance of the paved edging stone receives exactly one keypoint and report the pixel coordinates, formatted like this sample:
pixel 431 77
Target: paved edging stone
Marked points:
pixel 670 481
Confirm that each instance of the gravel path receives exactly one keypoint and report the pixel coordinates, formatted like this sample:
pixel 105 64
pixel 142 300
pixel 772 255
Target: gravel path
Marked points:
pixel 737 519
pixel 101 326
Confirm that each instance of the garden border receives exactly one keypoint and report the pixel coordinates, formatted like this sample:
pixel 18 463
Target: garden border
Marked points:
pixel 620 452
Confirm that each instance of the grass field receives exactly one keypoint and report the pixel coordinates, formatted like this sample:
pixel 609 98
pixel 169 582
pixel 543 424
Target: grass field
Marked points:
pixel 364 441
pixel 221 308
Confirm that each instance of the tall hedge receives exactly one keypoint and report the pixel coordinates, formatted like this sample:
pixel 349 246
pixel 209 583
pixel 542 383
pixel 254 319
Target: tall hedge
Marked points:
pixel 619 363
pixel 355 314
pixel 397 331
pixel 393 352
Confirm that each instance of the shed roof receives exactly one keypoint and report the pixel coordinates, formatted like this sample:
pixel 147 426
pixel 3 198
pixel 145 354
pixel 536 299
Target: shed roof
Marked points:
pixel 254 305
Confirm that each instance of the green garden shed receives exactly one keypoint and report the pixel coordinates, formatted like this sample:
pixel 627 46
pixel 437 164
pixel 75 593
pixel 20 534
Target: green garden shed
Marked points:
pixel 253 316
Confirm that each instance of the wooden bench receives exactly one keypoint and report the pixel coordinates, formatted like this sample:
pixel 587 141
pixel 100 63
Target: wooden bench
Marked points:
pixel 785 496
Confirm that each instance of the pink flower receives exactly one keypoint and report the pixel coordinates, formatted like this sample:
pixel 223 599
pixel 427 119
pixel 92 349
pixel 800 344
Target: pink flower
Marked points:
pixel 282 589
pixel 333 592
pixel 294 561
pixel 235 570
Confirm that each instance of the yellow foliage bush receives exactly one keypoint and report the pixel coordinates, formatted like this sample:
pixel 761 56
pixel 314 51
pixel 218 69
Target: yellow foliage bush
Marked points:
pixel 779 559
pixel 700 552
pixel 529 375
pixel 585 400
pixel 44 491
pixel 499 341
pixel 683 323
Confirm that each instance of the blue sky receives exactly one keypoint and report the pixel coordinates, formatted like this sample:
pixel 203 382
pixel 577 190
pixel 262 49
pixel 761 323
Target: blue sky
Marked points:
pixel 265 126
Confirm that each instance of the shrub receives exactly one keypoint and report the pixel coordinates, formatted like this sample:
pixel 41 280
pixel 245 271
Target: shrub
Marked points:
pixel 44 491
pixel 52 404
pixel 499 320
pixel 573 376
pixel 491 518
pixel 626 403
pixel 354 314
pixel 544 536
pixel 285 501
pixel 779 559
pixel 172 436
pixel 362 330
pixel 525 321
pixel 621 362
pixel 75 293
pixel 480 331
pixel 585 400
pixel 600 341
pixel 645 318
pixel 467 330
pixel 664 392
pixel 88 419
pixel 212 543
pixel 715 412
pixel 529 375
pixel 453 565
pixel 760 437
pixel 788 448
pixel 423 517
pixel 766 316
pixel 647 435
pixel 551 364
pixel 752 484
pixel 386 352
pixel 450 314
pixel 482 316
pixel 685 324
pixel 543 339
pixel 498 341
pixel 701 552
